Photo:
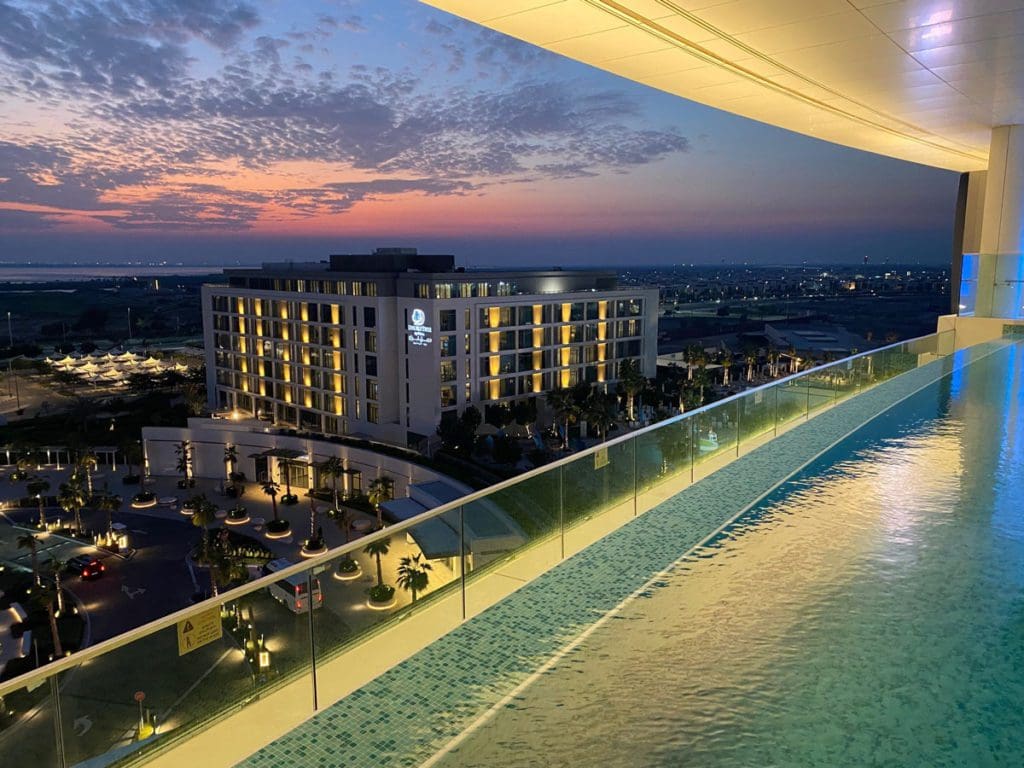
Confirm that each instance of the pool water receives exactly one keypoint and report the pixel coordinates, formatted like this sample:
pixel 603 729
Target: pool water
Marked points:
pixel 870 612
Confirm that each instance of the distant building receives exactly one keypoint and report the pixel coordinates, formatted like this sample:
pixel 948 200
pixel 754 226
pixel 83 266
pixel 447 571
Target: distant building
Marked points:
pixel 381 345
pixel 816 341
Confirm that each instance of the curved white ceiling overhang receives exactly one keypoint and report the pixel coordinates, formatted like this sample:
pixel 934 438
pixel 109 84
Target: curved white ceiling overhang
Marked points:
pixel 918 80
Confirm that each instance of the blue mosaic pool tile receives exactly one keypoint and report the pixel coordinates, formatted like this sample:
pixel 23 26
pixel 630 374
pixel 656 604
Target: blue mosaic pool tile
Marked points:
pixel 407 714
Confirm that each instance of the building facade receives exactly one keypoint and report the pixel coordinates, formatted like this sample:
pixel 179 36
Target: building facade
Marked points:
pixel 382 345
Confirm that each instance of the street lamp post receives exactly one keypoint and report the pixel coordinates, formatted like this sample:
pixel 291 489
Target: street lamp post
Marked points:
pixel 10 331
pixel 129 323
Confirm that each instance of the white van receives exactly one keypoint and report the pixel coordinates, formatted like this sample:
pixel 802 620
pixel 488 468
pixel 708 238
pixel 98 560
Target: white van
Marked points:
pixel 293 592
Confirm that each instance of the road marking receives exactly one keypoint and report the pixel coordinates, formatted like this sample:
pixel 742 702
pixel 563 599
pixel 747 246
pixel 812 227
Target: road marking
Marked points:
pixel 132 592
pixel 85 722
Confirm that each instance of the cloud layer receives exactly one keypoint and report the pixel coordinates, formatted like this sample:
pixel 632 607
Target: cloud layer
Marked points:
pixel 202 115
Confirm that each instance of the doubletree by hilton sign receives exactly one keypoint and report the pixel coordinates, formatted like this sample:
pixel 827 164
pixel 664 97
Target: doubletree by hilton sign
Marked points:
pixel 419 331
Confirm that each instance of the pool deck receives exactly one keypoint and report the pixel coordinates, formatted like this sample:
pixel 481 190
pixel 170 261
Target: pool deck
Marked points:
pixel 411 714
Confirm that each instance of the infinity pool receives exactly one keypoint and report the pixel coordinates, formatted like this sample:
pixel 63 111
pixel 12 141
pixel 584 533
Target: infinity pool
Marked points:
pixel 870 612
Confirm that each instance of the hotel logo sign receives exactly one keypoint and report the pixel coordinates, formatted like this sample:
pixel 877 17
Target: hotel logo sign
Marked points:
pixel 419 331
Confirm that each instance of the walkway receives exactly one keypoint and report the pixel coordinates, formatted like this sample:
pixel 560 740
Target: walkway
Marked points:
pixel 408 714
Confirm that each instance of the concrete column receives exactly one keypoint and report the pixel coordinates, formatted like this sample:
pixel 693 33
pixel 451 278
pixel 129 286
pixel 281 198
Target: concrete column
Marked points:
pixel 1000 266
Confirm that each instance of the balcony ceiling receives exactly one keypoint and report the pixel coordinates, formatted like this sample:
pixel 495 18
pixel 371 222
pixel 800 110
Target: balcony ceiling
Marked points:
pixel 919 80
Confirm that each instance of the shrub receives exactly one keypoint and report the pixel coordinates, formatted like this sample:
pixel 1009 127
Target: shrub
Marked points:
pixel 382 593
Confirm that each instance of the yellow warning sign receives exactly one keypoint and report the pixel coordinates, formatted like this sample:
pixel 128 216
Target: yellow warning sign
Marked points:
pixel 199 630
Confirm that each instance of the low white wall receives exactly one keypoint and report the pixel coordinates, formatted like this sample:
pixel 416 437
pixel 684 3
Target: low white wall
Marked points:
pixel 209 437
pixel 974 330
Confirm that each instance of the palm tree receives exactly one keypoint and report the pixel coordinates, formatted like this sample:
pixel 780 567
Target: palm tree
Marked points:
pixel 284 469
pixel 37 486
pixel 413 575
pixel 632 381
pixel 31 543
pixel 271 489
pixel 44 596
pixel 132 453
pixel 378 549
pixel 88 462
pixel 773 362
pixel 184 453
pixel 71 497
pixel 381 490
pixel 563 403
pixel 110 504
pixel 702 380
pixel 315 543
pixel 599 411
pixel 333 468
pixel 343 519
pixel 230 458
pixel 750 358
pixel 725 362
pixel 56 568
pixel 203 516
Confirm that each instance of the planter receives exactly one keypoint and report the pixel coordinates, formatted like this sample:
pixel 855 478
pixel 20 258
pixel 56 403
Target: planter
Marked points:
pixel 348 570
pixel 382 597
pixel 232 492
pixel 183 484
pixel 290 499
pixel 237 516
pixel 144 500
pixel 313 548
pixel 278 529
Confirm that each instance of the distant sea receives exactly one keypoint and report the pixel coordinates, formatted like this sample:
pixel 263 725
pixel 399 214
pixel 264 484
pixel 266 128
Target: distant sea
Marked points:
pixel 44 273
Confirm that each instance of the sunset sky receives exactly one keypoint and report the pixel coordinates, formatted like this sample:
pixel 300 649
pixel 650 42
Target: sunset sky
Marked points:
pixel 213 131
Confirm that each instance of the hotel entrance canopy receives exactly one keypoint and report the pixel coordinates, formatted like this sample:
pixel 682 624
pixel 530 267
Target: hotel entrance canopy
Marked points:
pixel 920 81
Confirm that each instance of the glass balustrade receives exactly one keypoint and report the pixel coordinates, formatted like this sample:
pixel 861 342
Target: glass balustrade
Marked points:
pixel 277 648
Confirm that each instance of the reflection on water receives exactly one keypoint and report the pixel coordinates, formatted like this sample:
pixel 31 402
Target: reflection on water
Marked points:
pixel 870 612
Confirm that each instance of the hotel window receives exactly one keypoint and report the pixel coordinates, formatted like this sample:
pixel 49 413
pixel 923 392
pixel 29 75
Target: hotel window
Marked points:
pixel 483 290
pixel 369 317
pixel 371 365
pixel 629 307
pixel 370 289
pixel 372 389
pixel 443 290
pixel 448 371
pixel 372 413
pixel 447 346
pixel 447 320
pixel 370 337
pixel 465 290
pixel 422 290
pixel 468 318
pixel 357 289
pixel 447 396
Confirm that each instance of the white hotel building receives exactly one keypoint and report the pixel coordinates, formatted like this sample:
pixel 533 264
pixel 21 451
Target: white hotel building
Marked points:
pixel 381 345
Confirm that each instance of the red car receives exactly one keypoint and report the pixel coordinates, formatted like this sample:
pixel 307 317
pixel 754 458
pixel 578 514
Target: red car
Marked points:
pixel 87 566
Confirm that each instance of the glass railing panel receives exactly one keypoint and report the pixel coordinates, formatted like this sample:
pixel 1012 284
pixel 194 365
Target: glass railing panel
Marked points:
pixel 821 387
pixel 791 397
pixel 28 734
pixel 597 494
pixel 385 600
pixel 510 537
pixel 715 432
pixel 165 685
pixel 664 454
pixel 756 415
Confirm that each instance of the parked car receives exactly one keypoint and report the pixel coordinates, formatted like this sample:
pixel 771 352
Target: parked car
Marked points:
pixel 87 566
